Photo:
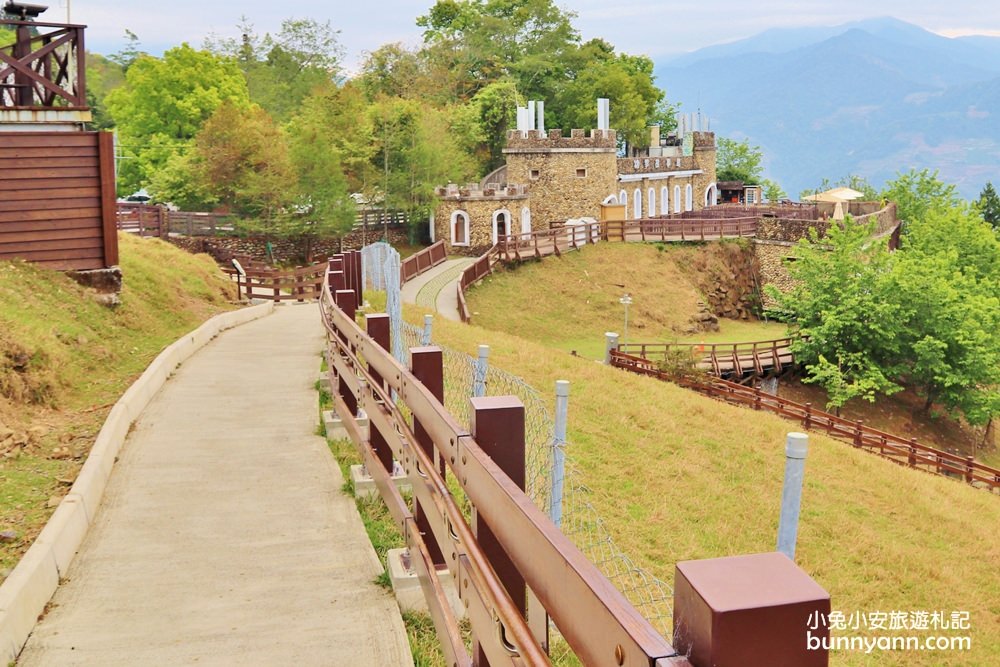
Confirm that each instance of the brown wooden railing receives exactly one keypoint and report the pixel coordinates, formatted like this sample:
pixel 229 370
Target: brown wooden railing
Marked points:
pixel 907 452
pixel 679 229
pixel 44 68
pixel 200 224
pixel 512 570
pixel 299 284
pixel 142 219
pixel 721 359
pixel 426 259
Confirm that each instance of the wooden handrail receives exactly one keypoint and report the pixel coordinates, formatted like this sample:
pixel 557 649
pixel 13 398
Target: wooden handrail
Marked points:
pixel 45 67
pixel 595 618
pixel 901 450
pixel 418 263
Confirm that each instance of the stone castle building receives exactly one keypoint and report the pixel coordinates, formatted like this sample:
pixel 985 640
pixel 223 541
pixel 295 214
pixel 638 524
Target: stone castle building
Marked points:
pixel 550 179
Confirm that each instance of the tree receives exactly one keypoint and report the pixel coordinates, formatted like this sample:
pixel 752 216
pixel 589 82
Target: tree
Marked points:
pixel 496 108
pixel 772 190
pixel 918 192
pixel 242 158
pixel 738 161
pixel 164 103
pixel 989 205
pixel 847 324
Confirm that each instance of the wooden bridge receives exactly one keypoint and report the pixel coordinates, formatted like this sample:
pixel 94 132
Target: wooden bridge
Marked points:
pixel 752 359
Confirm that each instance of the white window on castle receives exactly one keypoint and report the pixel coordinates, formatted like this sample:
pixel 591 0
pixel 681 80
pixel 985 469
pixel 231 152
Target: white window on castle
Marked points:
pixel 525 221
pixel 751 196
pixel 460 228
pixel 501 224
pixel 677 199
pixel 637 203
pixel 664 201
pixel 651 204
pixel 688 197
pixel 623 199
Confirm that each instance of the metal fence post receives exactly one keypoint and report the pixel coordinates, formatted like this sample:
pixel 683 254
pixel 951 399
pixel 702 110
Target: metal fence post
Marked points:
pixel 425 339
pixel 610 343
pixel 796 447
pixel 479 372
pixel 558 451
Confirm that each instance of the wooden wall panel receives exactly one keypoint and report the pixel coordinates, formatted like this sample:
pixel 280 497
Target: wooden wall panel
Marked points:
pixel 57 199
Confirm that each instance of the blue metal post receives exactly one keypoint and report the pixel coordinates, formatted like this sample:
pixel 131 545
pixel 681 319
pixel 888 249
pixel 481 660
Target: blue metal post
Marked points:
pixel 559 452
pixel 796 447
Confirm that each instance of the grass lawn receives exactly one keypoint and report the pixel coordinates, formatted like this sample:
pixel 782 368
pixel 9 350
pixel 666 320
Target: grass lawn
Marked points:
pixel 65 360
pixel 677 476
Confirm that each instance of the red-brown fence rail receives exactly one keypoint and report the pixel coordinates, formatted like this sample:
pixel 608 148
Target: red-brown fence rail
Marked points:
pixel 722 359
pixel 907 452
pixel 426 259
pixel 44 68
pixel 142 219
pixel 675 230
pixel 515 569
pixel 299 284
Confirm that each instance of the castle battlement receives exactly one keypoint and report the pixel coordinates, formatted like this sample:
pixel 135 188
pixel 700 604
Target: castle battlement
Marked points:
pixel 474 191
pixel 536 141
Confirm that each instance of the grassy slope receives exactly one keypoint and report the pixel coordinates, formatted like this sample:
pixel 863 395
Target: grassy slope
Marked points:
pixel 569 302
pixel 82 357
pixel 678 476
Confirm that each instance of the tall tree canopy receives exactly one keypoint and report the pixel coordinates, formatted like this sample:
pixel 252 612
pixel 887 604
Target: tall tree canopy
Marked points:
pixel 164 103
pixel 989 205
pixel 738 161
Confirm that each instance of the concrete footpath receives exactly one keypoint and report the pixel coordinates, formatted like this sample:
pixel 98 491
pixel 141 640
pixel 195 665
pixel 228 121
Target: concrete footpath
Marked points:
pixel 224 537
pixel 436 289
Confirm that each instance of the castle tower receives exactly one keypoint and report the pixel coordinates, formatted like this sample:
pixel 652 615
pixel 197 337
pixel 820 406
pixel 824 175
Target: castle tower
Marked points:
pixel 567 177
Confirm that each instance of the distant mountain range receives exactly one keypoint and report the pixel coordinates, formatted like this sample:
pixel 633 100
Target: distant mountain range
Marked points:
pixel 871 98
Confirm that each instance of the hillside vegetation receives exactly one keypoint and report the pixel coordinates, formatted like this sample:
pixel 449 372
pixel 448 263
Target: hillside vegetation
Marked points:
pixel 65 359
pixel 677 476
pixel 568 302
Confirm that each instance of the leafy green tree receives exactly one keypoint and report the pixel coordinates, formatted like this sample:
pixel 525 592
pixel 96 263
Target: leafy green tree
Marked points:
pixel 241 156
pixel 947 284
pixel 496 107
pixel 989 205
pixel 392 70
pixel 738 161
pixel 842 310
pixel 103 76
pixel 772 190
pixel 164 103
pixel 482 41
pixel 128 53
pixel 918 192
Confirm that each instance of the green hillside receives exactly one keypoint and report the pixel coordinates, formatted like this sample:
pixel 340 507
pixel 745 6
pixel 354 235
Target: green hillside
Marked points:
pixel 677 476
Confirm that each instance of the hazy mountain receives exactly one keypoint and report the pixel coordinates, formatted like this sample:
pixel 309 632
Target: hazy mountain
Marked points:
pixel 872 97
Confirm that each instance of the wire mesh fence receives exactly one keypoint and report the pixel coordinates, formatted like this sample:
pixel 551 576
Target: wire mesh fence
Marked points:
pixel 580 521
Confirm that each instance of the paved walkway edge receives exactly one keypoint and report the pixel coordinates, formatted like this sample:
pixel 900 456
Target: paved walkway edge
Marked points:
pixel 24 594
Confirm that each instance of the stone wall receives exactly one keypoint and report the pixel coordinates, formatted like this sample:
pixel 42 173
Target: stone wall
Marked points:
pixel 568 177
pixel 222 248
pixel 480 210
pixel 771 257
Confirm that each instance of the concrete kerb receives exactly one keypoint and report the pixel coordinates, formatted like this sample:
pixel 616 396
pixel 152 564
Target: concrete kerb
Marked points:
pixel 24 594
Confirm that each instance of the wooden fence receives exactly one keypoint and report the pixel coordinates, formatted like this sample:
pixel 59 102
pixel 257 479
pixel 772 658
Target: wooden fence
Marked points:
pixel 299 284
pixel 679 229
pixel 142 219
pixel 907 452
pixel 418 263
pixel 721 359
pixel 45 67
pixel 512 568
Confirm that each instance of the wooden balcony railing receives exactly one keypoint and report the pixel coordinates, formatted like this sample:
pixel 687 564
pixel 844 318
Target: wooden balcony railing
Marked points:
pixel 44 68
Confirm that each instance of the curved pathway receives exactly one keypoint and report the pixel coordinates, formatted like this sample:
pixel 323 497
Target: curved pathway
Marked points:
pixel 224 537
pixel 437 288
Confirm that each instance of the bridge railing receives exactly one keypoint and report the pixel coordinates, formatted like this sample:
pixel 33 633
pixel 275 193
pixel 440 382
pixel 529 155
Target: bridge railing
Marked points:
pixel 907 452
pixel 44 68
pixel 515 567
pixel 426 259
pixel 752 356
pixel 300 284
pixel 679 229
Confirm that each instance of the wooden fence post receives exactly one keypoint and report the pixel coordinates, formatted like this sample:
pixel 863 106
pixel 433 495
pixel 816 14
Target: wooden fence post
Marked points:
pixel 427 365
pixel 911 458
pixel 859 427
pixel 378 327
pixel 807 419
pixel 345 301
pixel 969 467
pixel 498 427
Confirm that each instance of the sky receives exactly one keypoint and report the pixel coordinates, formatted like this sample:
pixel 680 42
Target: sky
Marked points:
pixel 654 28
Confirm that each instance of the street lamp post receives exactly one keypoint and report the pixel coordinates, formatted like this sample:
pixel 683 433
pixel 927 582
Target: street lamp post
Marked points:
pixel 625 301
